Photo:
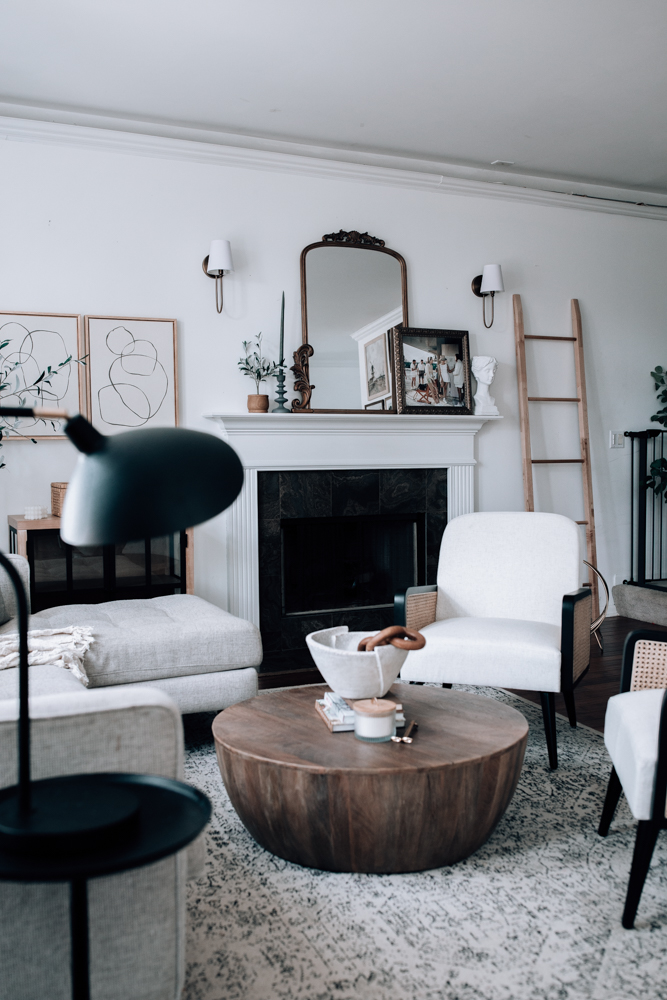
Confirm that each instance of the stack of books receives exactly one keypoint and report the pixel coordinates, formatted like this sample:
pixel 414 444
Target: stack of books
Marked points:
pixel 338 714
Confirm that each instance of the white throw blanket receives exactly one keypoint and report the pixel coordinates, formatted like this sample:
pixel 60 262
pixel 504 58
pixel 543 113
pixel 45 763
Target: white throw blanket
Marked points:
pixel 62 647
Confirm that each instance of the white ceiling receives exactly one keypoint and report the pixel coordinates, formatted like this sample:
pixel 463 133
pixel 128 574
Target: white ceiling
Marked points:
pixel 573 89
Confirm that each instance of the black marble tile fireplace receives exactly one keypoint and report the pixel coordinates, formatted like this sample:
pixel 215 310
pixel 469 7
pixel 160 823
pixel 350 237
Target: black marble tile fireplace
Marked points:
pixel 334 546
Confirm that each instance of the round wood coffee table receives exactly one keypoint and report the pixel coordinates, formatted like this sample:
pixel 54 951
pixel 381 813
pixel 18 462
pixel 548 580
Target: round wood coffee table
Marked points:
pixel 327 800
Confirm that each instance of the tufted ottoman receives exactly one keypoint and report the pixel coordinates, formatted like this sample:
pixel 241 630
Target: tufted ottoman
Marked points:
pixel 202 657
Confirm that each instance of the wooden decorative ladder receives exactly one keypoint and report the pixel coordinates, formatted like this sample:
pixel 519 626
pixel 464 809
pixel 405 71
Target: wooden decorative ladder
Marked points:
pixel 585 458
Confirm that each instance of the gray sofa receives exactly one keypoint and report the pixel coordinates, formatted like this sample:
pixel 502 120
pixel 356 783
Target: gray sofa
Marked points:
pixel 149 660
pixel 136 919
pixel 202 657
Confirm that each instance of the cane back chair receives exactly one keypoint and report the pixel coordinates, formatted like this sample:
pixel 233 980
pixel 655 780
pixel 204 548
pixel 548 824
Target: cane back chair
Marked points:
pixel 635 734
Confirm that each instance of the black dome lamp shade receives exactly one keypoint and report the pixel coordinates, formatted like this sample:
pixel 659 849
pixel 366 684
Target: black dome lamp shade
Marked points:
pixel 145 483
pixel 134 485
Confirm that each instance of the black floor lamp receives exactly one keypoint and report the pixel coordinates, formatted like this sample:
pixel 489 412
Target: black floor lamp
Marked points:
pixel 134 485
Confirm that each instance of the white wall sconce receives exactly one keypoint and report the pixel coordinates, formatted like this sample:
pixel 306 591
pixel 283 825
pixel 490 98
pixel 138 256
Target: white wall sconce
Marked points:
pixel 218 262
pixel 488 283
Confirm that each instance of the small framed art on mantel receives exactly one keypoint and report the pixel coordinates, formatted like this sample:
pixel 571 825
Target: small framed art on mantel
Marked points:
pixel 431 371
pixel 132 372
pixel 375 369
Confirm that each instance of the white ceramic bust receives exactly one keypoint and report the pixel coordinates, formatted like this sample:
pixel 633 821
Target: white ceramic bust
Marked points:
pixel 484 370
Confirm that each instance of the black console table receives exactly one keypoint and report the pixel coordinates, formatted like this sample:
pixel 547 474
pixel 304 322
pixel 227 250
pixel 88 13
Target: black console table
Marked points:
pixel 66 574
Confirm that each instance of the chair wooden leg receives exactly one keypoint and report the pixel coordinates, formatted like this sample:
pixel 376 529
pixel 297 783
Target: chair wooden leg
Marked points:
pixel 568 698
pixel 549 714
pixel 647 834
pixel 611 801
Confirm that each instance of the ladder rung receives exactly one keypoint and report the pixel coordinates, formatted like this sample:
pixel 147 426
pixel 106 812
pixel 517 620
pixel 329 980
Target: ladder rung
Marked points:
pixel 557 461
pixel 532 336
pixel 581 522
pixel 554 399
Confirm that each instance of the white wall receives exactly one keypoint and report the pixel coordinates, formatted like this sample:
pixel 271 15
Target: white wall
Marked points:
pixel 98 231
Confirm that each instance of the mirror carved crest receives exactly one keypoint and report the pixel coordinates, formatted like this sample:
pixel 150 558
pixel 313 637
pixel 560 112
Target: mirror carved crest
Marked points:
pixel 362 239
pixel 353 291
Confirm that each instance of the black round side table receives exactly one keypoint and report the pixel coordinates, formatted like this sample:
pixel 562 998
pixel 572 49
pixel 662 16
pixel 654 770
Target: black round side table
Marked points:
pixel 170 815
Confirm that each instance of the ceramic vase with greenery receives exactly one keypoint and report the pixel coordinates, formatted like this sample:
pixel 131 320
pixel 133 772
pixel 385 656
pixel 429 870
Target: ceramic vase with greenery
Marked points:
pixel 258 368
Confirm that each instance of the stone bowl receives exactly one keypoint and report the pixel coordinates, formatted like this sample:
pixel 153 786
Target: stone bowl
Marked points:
pixel 349 673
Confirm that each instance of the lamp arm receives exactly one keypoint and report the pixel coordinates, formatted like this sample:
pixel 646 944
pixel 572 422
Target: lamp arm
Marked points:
pixel 80 431
pixel 24 714
pixel 33 411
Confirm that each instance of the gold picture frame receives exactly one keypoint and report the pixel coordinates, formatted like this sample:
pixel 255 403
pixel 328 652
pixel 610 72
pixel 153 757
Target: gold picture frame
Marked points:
pixel 437 377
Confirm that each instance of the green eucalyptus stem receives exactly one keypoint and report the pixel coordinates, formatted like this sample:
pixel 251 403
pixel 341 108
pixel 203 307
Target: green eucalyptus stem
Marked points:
pixel 11 374
pixel 254 365
pixel 659 377
pixel 657 480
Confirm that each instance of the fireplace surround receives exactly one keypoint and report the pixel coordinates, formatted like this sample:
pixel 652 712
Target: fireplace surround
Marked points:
pixel 350 443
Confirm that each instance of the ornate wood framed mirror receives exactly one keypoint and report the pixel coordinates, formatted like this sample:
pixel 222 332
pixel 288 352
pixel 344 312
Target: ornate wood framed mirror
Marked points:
pixel 353 290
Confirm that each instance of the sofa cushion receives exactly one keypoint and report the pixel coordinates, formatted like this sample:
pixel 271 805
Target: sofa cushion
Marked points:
pixel 631 729
pixel 43 678
pixel 501 652
pixel 161 637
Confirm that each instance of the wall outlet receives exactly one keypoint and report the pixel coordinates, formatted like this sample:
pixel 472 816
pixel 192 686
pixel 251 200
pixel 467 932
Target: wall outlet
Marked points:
pixel 616 439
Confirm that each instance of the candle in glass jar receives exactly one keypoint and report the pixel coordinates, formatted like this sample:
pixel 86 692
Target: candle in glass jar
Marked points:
pixel 374 720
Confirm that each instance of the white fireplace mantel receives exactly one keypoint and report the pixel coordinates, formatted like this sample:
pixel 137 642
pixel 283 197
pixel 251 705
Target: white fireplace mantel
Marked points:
pixel 268 442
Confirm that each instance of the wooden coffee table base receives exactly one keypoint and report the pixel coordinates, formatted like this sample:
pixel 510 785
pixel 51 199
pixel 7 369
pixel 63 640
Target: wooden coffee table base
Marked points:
pixel 326 800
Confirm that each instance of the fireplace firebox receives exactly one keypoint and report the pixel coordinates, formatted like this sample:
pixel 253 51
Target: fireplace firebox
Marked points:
pixel 334 548
pixel 349 563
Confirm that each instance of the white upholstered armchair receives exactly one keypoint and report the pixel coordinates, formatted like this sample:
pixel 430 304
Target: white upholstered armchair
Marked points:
pixel 507 610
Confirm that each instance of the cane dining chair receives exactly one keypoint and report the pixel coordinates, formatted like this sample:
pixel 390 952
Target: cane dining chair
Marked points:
pixel 635 734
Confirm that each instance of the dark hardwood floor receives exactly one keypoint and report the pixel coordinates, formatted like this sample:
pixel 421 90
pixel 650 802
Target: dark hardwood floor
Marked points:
pixel 604 674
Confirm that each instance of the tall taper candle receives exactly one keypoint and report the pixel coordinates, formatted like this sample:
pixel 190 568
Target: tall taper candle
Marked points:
pixel 282 331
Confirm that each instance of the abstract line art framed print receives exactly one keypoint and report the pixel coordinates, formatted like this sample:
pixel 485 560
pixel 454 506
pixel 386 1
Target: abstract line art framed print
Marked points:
pixel 41 364
pixel 431 370
pixel 132 372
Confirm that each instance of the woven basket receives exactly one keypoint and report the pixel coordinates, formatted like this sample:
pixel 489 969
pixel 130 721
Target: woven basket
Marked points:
pixel 58 491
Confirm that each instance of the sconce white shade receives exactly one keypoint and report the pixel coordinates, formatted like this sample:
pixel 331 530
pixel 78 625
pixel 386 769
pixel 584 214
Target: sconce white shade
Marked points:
pixel 492 279
pixel 220 257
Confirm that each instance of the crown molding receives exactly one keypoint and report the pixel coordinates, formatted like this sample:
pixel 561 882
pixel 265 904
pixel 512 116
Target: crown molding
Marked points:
pixel 20 123
pixel 380 325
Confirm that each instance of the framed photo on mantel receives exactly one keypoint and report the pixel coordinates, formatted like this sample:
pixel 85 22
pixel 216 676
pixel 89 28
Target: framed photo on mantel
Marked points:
pixel 431 371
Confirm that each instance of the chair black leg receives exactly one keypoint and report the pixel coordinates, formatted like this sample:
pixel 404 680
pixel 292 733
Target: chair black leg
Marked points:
pixel 647 834
pixel 549 714
pixel 568 698
pixel 610 803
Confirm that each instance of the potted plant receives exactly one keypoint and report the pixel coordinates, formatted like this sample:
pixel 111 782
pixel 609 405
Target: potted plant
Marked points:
pixel 657 480
pixel 258 369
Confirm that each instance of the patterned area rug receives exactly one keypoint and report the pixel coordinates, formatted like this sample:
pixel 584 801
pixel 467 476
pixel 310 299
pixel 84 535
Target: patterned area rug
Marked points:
pixel 534 915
